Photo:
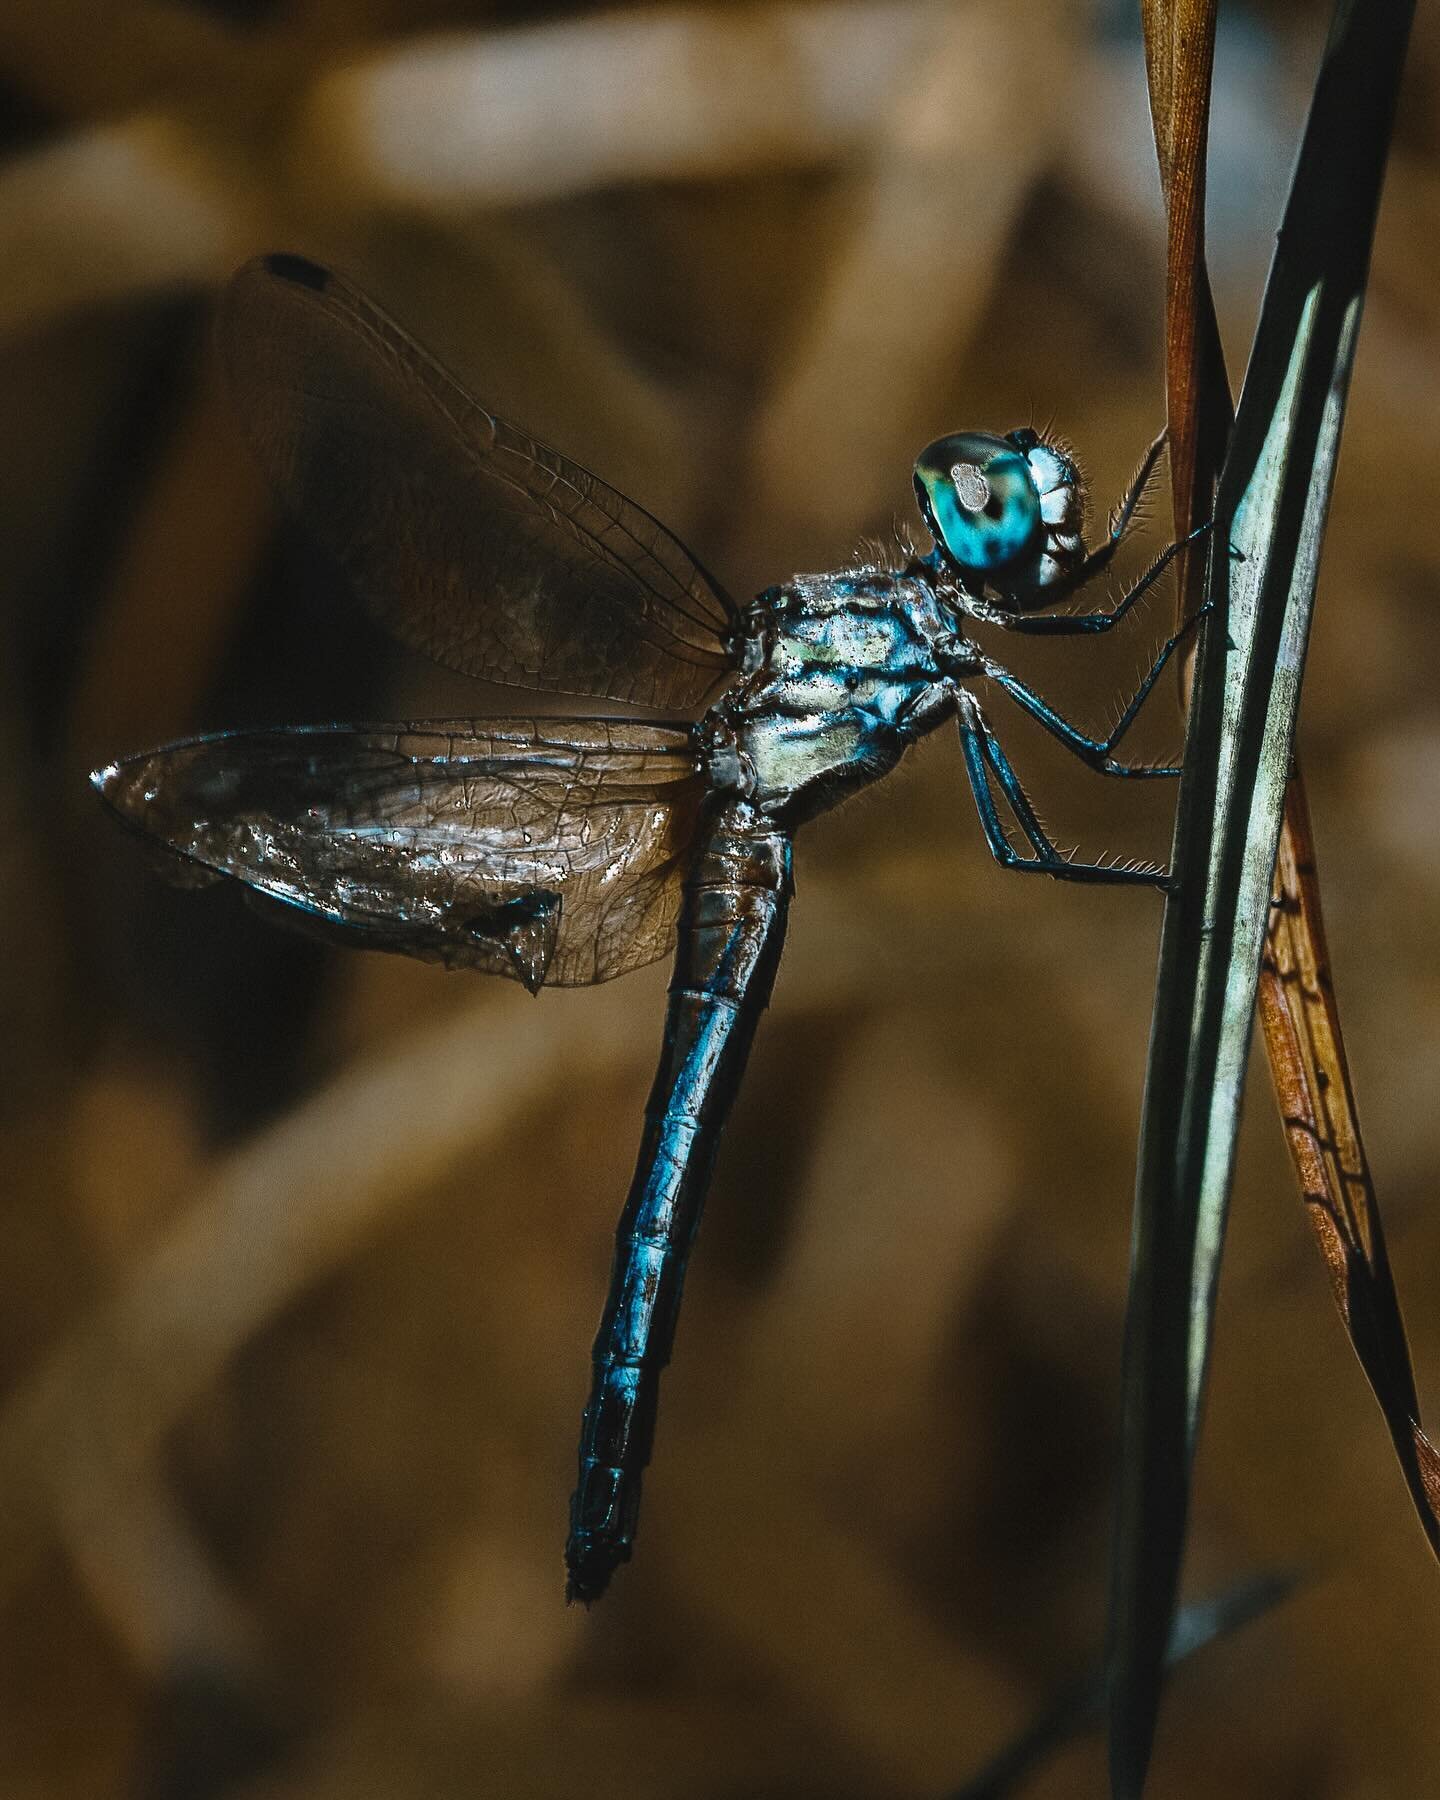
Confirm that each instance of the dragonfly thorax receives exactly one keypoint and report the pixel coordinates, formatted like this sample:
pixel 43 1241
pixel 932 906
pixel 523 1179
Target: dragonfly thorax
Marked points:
pixel 839 673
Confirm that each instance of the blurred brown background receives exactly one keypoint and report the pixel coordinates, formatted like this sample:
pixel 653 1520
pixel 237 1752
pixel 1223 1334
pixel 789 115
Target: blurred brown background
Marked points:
pixel 304 1250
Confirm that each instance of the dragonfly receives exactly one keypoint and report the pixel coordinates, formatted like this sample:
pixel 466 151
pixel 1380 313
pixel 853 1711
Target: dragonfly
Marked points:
pixel 571 850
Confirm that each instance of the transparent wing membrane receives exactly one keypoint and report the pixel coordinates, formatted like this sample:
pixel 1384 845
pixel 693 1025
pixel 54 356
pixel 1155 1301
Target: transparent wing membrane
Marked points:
pixel 544 850
pixel 469 540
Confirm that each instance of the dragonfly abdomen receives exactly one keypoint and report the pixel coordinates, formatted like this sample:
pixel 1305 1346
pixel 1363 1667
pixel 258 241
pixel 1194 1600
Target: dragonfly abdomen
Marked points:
pixel 731 932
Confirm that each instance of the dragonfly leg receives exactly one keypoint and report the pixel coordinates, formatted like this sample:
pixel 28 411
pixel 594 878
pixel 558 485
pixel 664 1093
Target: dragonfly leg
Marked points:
pixel 984 756
pixel 731 933
pixel 1121 518
pixel 1086 624
pixel 1096 753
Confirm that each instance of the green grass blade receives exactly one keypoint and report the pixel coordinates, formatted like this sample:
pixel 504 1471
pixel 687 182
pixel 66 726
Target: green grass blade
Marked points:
pixel 1080 1706
pixel 1273 498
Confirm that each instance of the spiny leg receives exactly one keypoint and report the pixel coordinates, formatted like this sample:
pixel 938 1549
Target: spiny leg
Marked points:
pixel 1095 753
pixel 983 755
pixel 1122 516
pixel 1125 511
pixel 1083 624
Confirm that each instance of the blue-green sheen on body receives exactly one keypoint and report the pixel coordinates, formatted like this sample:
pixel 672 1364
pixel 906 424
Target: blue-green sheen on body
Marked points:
pixel 847 676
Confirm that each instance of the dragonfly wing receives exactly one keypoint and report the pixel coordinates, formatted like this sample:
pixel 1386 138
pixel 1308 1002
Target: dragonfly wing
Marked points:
pixel 543 850
pixel 469 540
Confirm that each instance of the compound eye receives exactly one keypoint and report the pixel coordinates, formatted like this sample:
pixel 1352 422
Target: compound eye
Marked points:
pixel 980 501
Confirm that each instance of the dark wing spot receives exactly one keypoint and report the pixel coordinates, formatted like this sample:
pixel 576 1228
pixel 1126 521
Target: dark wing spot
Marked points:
pixel 526 930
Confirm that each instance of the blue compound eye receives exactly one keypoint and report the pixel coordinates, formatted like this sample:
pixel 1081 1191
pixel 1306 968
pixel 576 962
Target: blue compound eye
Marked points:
pixel 980 501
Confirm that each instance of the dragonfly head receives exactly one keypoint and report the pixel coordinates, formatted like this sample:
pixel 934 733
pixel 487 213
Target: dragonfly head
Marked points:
pixel 1007 512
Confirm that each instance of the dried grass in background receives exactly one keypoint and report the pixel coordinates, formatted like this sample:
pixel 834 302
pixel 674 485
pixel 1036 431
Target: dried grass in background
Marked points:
pixel 305 1250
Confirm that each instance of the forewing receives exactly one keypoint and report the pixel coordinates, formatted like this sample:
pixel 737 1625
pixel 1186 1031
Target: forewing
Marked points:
pixel 543 850
pixel 469 540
